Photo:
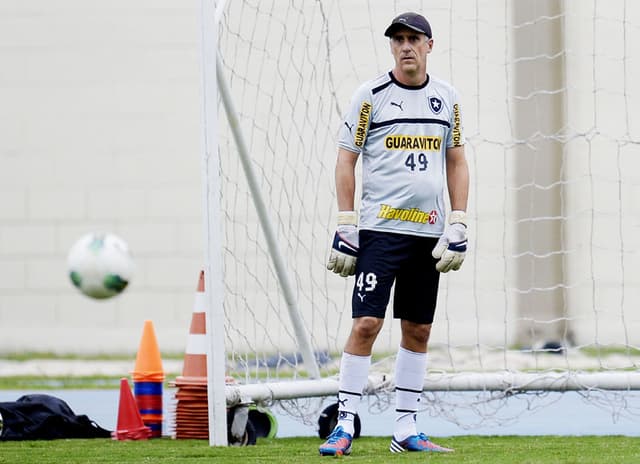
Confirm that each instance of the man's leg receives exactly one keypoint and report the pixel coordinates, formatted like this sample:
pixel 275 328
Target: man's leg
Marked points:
pixel 354 368
pixel 411 367
pixel 375 274
pixel 354 374
pixel 410 371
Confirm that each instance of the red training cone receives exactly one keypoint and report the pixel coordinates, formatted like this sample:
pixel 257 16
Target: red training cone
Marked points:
pixel 130 425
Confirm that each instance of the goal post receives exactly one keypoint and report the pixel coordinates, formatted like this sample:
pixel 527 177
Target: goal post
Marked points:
pixel 212 230
pixel 545 300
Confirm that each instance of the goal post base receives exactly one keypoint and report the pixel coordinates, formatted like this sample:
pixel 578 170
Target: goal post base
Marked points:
pixel 495 381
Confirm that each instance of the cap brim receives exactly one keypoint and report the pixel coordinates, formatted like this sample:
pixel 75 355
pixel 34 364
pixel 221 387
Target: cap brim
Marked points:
pixel 394 27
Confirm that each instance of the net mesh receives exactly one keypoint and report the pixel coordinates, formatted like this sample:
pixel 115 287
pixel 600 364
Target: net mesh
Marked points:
pixel 550 107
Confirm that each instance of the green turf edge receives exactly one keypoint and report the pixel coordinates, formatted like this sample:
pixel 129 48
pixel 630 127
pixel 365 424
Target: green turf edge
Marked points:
pixel 469 449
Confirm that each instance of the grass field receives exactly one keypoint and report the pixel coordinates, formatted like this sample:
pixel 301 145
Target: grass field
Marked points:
pixel 469 449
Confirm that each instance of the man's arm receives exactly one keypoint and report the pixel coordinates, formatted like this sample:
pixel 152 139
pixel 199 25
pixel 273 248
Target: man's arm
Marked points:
pixel 344 251
pixel 452 245
pixel 457 178
pixel 346 179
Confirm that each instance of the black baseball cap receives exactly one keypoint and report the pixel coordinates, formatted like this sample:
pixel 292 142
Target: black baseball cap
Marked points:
pixel 412 21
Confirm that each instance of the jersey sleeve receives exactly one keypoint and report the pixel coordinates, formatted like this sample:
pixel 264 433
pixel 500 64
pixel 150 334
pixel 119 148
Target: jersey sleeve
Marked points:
pixel 455 138
pixel 357 120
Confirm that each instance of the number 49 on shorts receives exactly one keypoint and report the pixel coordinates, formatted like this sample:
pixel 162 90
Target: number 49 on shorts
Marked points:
pixel 366 282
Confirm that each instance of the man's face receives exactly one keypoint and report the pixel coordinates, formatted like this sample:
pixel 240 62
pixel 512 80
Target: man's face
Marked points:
pixel 410 49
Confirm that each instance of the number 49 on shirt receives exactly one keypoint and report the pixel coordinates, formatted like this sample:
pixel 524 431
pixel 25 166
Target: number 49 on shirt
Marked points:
pixel 416 162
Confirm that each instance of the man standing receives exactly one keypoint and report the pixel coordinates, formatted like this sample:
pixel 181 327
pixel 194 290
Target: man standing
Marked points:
pixel 406 125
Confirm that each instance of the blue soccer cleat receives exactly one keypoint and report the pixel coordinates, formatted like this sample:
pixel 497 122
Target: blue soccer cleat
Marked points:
pixel 417 443
pixel 337 444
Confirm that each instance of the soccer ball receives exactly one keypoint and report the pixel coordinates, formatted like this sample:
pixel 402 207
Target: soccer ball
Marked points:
pixel 100 265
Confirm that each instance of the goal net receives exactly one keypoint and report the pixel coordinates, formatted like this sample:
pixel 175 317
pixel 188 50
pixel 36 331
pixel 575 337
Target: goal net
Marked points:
pixel 548 296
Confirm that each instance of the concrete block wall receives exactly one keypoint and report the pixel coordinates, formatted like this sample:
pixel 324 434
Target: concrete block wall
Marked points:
pixel 100 112
pixel 99 131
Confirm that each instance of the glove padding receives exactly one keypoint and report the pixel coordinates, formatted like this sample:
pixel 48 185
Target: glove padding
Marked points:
pixel 451 248
pixel 344 251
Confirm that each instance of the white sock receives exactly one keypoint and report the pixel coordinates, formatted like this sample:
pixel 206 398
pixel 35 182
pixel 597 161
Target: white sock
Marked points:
pixel 410 372
pixel 354 374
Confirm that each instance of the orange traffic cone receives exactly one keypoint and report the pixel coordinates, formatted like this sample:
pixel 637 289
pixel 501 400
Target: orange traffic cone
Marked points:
pixel 191 413
pixel 130 425
pixel 191 409
pixel 194 370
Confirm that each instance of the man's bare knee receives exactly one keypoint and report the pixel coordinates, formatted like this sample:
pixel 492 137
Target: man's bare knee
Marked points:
pixel 415 336
pixel 363 333
pixel 366 327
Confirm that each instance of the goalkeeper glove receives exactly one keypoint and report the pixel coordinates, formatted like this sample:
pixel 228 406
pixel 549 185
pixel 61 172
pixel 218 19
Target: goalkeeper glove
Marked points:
pixel 452 246
pixel 344 251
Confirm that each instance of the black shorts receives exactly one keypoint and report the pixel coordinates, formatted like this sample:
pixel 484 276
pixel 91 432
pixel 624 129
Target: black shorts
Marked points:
pixel 385 258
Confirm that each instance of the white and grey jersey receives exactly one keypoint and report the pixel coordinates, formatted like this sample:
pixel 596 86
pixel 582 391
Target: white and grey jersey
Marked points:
pixel 403 133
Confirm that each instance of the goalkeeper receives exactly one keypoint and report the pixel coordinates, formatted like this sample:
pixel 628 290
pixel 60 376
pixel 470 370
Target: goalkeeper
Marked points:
pixel 406 127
